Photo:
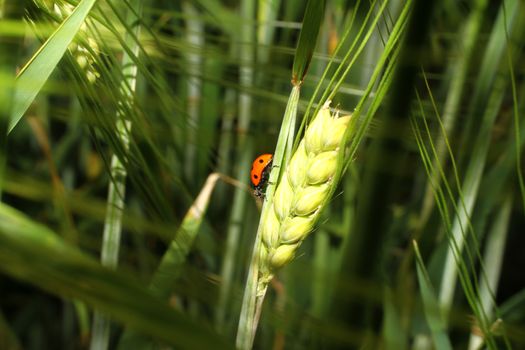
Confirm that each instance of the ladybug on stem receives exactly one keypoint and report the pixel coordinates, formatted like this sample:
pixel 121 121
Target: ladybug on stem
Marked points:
pixel 260 172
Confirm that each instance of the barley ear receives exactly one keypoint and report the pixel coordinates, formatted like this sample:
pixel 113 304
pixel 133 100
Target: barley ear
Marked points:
pixel 303 191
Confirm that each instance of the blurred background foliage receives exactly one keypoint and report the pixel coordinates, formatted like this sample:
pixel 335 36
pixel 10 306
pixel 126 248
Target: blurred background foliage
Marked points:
pixel 421 246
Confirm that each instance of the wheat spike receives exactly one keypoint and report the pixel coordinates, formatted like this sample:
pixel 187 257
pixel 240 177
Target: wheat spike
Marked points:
pixel 302 191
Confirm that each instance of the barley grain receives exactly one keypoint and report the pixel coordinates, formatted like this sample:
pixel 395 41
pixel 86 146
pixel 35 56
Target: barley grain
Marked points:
pixel 302 192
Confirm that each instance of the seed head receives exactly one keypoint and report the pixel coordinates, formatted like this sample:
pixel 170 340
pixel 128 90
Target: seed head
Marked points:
pixel 321 168
pixel 309 199
pixel 284 196
pixel 270 233
pixel 303 191
pixel 295 171
pixel 282 255
pixel 295 228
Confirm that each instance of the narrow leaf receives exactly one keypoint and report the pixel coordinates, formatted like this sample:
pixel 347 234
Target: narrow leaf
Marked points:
pixel 305 48
pixel 431 305
pixel 168 272
pixel 32 253
pixel 35 73
pixel 170 266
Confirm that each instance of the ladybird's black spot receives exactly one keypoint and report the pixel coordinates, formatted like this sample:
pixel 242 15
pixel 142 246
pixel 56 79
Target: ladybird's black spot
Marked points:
pixel 261 161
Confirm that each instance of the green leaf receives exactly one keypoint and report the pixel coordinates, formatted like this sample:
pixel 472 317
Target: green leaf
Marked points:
pixel 32 253
pixel 307 39
pixel 253 297
pixel 431 305
pixel 168 272
pixel 175 257
pixel 35 73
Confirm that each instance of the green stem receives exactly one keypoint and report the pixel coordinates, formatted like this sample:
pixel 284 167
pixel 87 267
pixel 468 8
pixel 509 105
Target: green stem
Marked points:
pixel 117 187
pixel 246 75
pixel 458 73
pixel 255 289
pixel 493 260
pixel 195 38
pixel 461 228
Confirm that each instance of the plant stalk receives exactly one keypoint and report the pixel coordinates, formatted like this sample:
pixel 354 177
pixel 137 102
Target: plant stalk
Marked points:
pixel 255 289
pixel 117 187
pixel 246 54
pixel 493 261
pixel 195 37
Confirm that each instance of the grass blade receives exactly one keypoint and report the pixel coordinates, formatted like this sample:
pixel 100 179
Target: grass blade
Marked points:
pixel 431 305
pixel 307 39
pixel 459 75
pixel 386 156
pixel 461 227
pixel 173 260
pixel 493 260
pixel 35 73
pixel 253 295
pixel 246 53
pixel 194 60
pixel 117 187
pixel 10 13
pixel 32 253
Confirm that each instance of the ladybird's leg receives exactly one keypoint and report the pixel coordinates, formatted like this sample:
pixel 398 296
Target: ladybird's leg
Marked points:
pixel 258 192
pixel 270 182
pixel 272 166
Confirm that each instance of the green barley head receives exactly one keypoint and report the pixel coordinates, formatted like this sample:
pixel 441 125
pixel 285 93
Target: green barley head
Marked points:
pixel 303 191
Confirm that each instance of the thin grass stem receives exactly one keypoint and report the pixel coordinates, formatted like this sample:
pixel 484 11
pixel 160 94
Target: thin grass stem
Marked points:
pixel 493 260
pixel 255 290
pixel 195 38
pixel 244 145
pixel 117 187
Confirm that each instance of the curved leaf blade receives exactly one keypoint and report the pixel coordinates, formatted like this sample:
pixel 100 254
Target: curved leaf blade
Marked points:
pixel 35 73
pixel 313 18
pixel 32 253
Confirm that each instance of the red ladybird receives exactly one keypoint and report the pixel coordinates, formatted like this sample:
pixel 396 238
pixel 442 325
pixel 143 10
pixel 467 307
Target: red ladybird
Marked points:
pixel 260 172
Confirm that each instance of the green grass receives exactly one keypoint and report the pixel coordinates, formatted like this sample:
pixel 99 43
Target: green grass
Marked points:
pixel 419 244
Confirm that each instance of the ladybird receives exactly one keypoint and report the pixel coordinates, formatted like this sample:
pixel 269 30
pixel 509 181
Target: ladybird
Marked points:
pixel 260 172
